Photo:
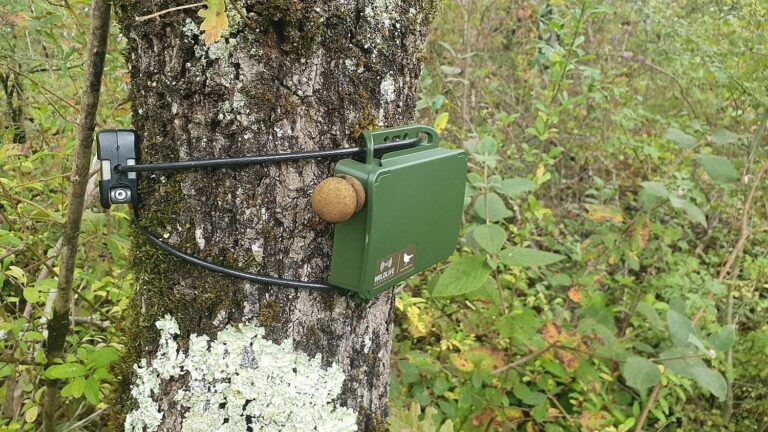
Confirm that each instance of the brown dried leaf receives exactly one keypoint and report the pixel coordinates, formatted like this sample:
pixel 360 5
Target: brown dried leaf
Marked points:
pixel 551 332
pixel 485 418
pixel 568 360
pixel 575 294
pixel 592 422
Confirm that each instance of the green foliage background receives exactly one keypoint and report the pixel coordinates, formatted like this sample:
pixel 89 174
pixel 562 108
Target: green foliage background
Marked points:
pixel 613 255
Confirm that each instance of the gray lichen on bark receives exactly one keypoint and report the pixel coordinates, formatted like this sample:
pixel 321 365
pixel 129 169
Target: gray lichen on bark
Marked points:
pixel 314 75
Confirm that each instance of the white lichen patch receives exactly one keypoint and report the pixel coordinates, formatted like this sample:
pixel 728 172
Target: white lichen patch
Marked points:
pixel 388 95
pixel 239 380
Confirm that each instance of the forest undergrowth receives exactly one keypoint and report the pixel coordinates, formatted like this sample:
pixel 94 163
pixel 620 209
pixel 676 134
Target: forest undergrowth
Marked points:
pixel 612 268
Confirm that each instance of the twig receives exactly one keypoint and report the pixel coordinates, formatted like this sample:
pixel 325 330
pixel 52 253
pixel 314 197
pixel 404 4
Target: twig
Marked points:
pixel 37 84
pixel 13 251
pixel 9 358
pixel 85 421
pixel 560 407
pixel 743 236
pixel 58 325
pixel 677 81
pixel 173 9
pixel 647 408
pixel 523 360
pixel 245 19
pixel 90 320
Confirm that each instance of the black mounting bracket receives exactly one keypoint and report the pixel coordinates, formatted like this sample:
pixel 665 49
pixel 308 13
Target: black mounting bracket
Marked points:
pixel 117 148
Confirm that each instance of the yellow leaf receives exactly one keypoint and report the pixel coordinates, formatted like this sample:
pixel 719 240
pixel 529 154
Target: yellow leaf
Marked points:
pixel 486 358
pixel 541 174
pixel 514 414
pixel 399 304
pixel 17 273
pixel 31 415
pixel 419 324
pixel 441 121
pixel 603 213
pixel 214 22
pixel 462 363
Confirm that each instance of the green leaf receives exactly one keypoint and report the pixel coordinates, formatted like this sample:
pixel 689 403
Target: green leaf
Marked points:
pixel 6 369
pixel 711 380
pixel 66 370
pixel 33 336
pixel 680 138
pixel 463 275
pixel 490 237
pixel 31 414
pixel 527 396
pixel 522 323
pixel 77 386
pixel 490 206
pixel 719 168
pixel 693 212
pixel 640 373
pixel 539 412
pixel 679 328
pixel 649 313
pixel 516 186
pixel 724 339
pixel 487 146
pixel 724 136
pixel 525 257
pixel 695 341
pixel 655 189
pixel 91 391
pixel 31 294
pixel 102 357
pixel 681 361
pixel 8 239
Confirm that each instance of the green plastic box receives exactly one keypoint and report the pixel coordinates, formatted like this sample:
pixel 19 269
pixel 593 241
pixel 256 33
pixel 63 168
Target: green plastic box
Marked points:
pixel 411 217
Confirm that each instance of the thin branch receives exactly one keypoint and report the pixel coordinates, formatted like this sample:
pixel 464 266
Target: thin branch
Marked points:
pixel 13 251
pixel 647 408
pixel 37 84
pixel 173 9
pixel 245 19
pixel 9 358
pixel 523 360
pixel 677 81
pixel 743 236
pixel 58 324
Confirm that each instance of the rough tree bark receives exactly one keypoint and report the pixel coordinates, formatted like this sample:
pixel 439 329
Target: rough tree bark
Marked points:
pixel 297 75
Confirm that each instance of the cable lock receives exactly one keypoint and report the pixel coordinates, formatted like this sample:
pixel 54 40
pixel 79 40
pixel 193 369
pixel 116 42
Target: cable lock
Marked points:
pixel 117 150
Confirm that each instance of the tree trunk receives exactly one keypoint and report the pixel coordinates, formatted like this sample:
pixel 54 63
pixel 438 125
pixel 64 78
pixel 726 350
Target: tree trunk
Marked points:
pixel 297 75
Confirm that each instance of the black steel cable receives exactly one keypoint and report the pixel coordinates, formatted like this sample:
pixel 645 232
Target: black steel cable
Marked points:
pixel 253 277
pixel 271 158
pixel 249 160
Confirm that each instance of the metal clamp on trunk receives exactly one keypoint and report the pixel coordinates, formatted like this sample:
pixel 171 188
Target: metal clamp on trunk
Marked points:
pixel 397 213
